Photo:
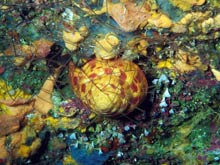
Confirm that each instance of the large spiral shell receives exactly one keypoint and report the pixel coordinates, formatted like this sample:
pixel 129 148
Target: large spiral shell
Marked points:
pixel 109 87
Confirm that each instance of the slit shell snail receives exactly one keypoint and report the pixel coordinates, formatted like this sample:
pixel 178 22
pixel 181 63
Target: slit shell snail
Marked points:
pixel 109 87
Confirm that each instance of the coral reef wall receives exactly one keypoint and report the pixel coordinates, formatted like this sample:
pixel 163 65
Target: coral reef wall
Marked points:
pixel 109 82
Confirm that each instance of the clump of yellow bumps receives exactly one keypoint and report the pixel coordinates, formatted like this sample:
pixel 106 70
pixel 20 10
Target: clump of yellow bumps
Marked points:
pixel 73 38
pixel 187 4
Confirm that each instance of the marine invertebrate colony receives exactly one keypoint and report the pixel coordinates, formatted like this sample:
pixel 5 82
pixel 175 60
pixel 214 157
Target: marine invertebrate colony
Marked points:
pixel 187 4
pixel 131 16
pixel 24 53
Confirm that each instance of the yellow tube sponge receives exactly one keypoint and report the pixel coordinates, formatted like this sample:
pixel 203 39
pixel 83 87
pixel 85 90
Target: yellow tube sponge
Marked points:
pixel 160 20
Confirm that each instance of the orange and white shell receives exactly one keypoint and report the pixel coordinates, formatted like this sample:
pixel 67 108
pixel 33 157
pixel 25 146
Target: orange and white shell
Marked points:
pixel 109 87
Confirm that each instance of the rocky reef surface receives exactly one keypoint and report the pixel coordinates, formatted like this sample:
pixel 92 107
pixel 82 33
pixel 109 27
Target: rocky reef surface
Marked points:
pixel 109 82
